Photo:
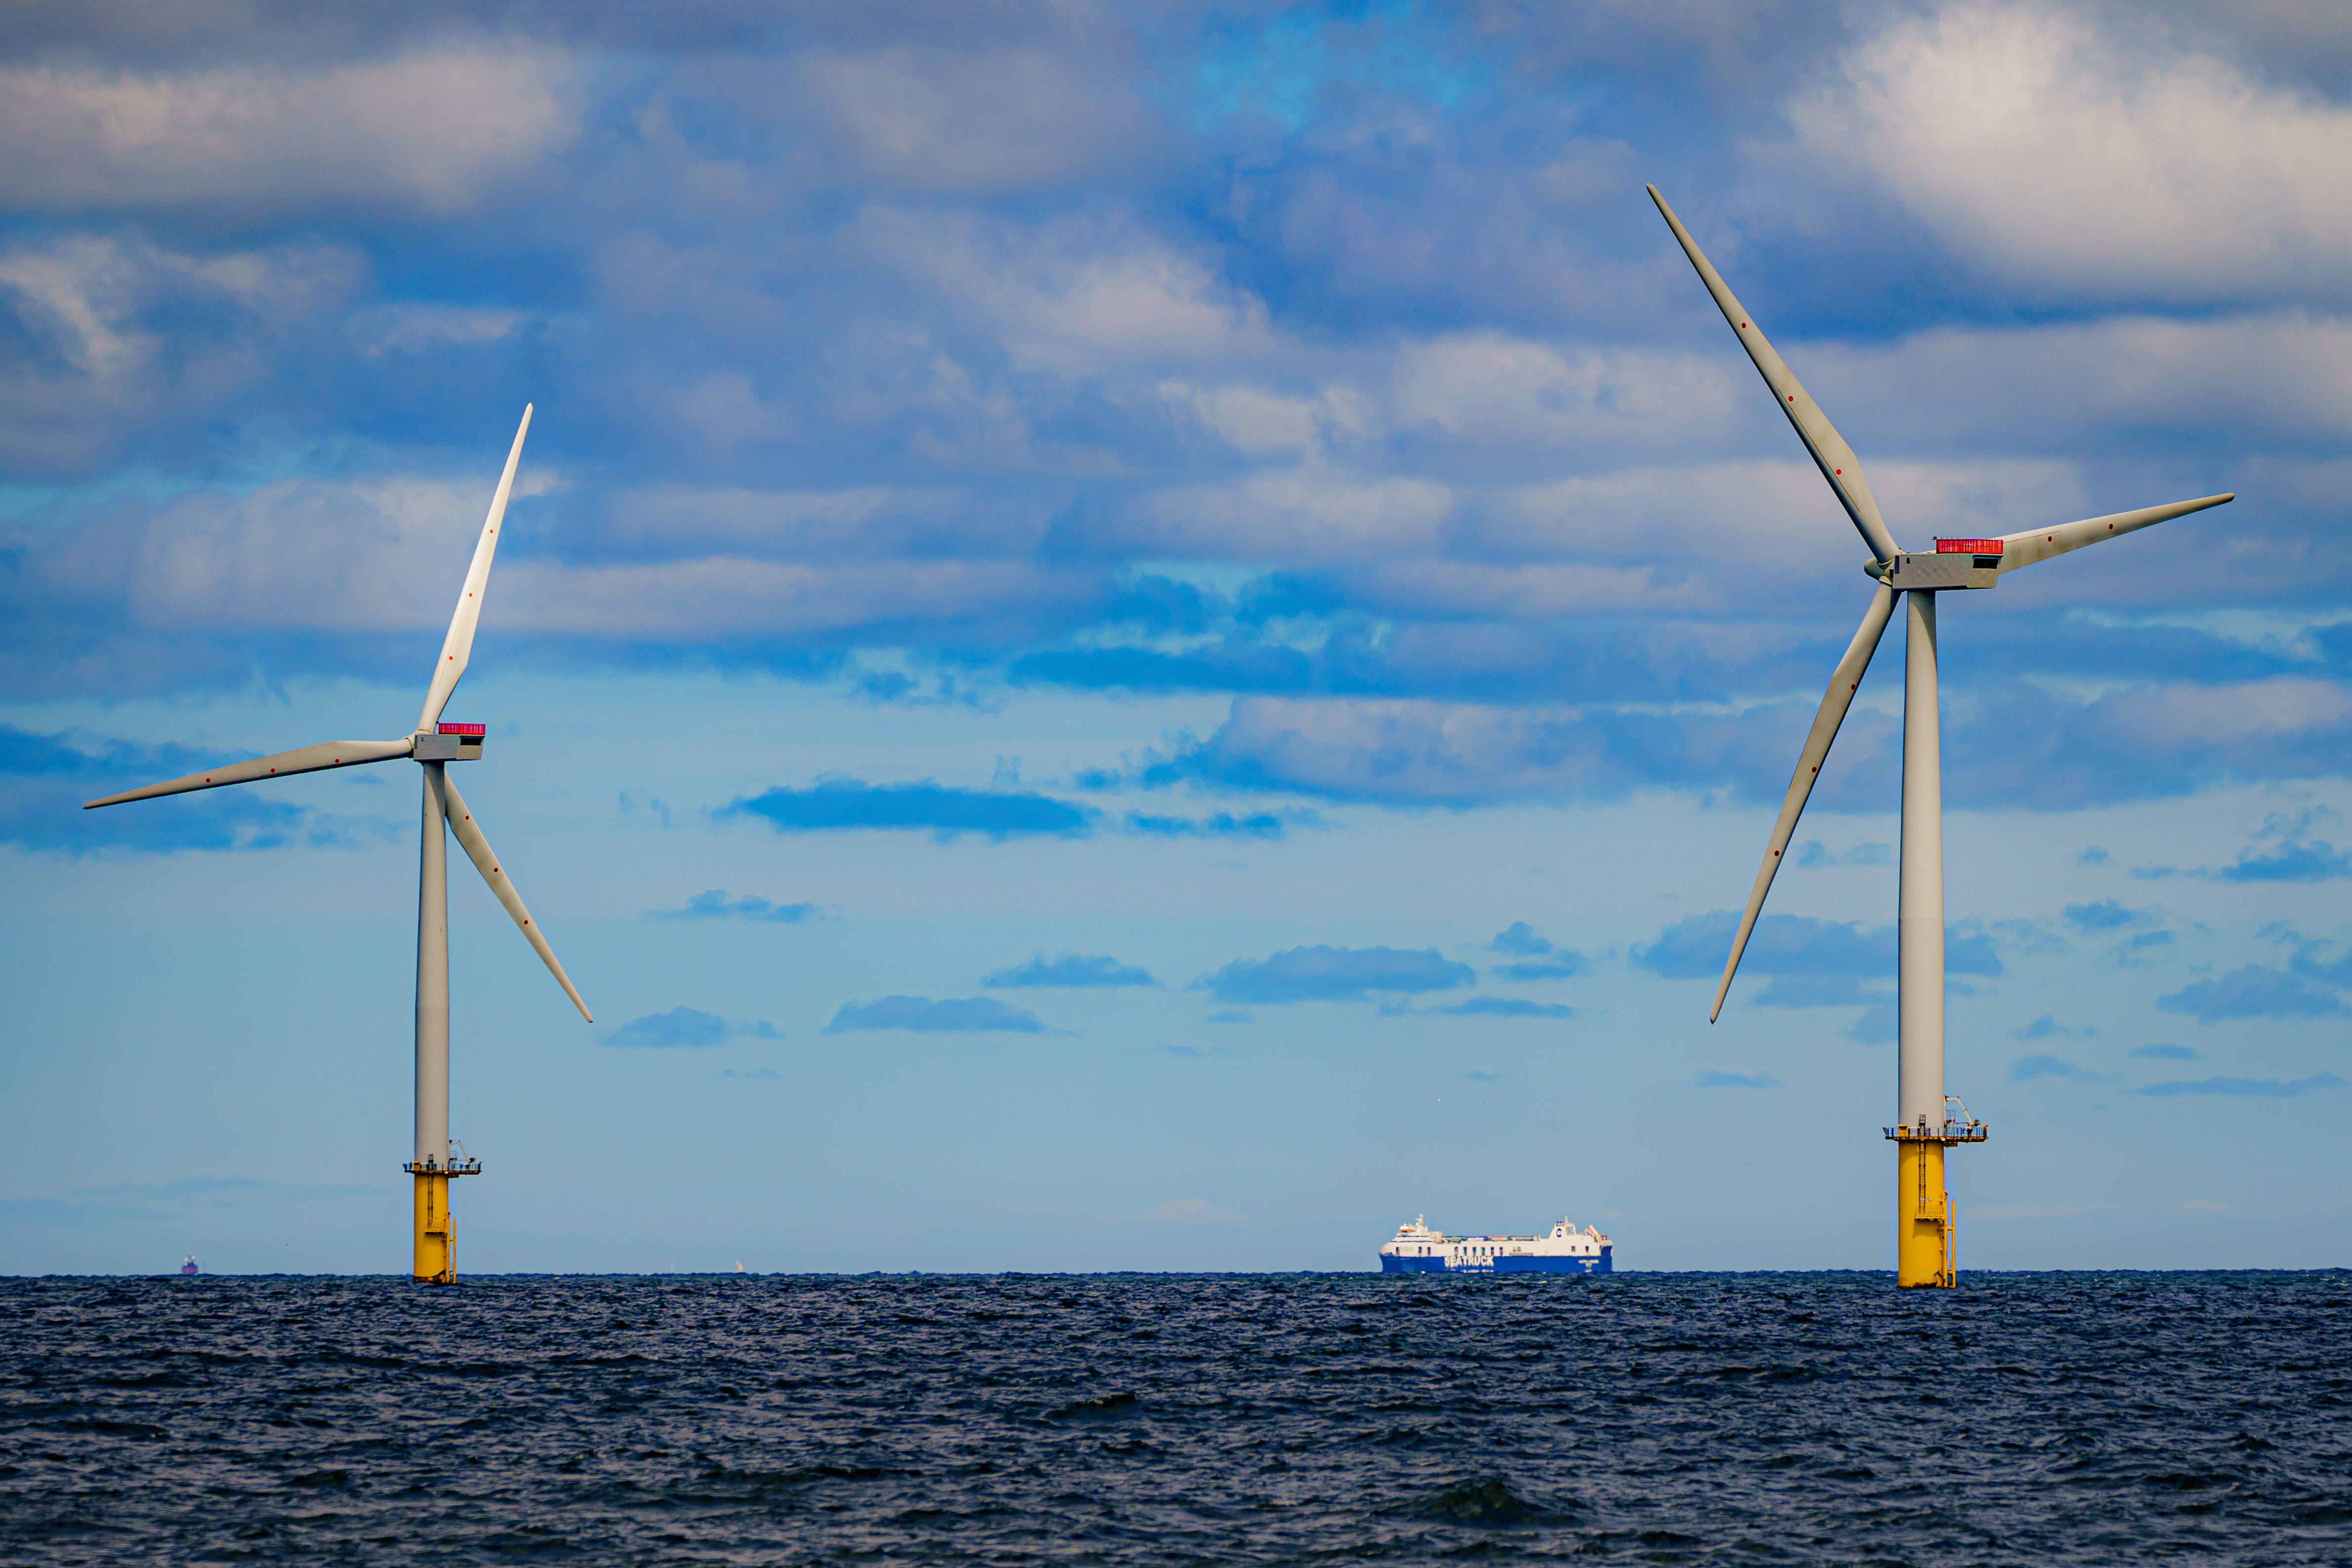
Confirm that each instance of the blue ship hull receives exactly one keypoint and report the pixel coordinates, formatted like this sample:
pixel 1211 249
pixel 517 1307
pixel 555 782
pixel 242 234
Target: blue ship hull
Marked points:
pixel 1601 1265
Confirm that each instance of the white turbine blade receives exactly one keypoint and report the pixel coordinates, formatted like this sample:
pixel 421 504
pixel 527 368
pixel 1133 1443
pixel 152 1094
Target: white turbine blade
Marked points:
pixel 304 759
pixel 478 848
pixel 1838 463
pixel 458 646
pixel 1832 714
pixel 2041 544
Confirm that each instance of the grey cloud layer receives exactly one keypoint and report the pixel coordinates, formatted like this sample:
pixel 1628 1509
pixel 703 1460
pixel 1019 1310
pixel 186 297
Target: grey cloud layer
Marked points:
pixel 428 130
pixel 971 335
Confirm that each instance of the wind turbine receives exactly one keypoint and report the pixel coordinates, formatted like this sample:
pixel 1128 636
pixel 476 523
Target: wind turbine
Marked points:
pixel 1924 1126
pixel 434 746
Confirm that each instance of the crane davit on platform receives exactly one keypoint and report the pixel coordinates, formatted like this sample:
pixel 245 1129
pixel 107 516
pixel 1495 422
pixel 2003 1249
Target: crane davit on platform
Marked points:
pixel 1927 1122
pixel 434 746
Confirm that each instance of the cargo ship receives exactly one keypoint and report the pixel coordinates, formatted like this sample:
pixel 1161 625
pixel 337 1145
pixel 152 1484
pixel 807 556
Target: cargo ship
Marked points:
pixel 1417 1250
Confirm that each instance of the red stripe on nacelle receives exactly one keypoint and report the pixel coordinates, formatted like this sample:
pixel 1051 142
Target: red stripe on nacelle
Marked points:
pixel 1968 547
pixel 476 730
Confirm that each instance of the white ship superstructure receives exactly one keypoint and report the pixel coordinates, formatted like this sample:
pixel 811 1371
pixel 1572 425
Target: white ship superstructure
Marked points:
pixel 1418 1249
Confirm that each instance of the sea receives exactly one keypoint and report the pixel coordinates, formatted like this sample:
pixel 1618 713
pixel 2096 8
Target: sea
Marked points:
pixel 1218 1418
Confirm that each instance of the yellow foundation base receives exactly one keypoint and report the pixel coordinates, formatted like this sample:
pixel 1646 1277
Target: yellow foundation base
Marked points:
pixel 436 1227
pixel 1922 1217
pixel 1925 1254
pixel 436 1233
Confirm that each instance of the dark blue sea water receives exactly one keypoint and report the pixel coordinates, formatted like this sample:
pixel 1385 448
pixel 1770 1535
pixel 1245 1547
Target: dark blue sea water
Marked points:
pixel 1185 1419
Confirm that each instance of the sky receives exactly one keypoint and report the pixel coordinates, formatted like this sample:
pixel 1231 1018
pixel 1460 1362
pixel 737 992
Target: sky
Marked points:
pixel 1160 637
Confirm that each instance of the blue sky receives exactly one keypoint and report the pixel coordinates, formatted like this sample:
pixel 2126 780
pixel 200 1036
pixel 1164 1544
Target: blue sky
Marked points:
pixel 1160 637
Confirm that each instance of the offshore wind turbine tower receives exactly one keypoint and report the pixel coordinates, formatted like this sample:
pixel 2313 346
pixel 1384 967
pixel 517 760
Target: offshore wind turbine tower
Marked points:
pixel 1925 1123
pixel 434 744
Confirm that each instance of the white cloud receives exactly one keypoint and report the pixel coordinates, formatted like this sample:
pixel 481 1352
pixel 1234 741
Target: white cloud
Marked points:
pixel 2252 716
pixel 1489 390
pixel 2086 163
pixel 77 290
pixel 430 131
pixel 1079 298
pixel 2287 374
pixel 857 523
pixel 1419 752
pixel 1527 592
pixel 386 555
pixel 85 294
pixel 1770 516
pixel 715 599
pixel 370 557
pixel 972 121
pixel 1261 422
pixel 415 328
pixel 1304 515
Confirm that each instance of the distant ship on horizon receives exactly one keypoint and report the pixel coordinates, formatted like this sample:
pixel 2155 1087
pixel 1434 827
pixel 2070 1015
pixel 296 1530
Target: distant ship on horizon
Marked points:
pixel 1417 1250
pixel 188 1264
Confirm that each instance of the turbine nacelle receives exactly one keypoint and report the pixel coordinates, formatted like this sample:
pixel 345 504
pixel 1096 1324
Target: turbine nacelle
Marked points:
pixel 451 743
pixel 1915 571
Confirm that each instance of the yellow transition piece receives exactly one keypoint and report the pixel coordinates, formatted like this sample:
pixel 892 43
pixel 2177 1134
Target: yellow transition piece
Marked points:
pixel 1922 1217
pixel 436 1232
